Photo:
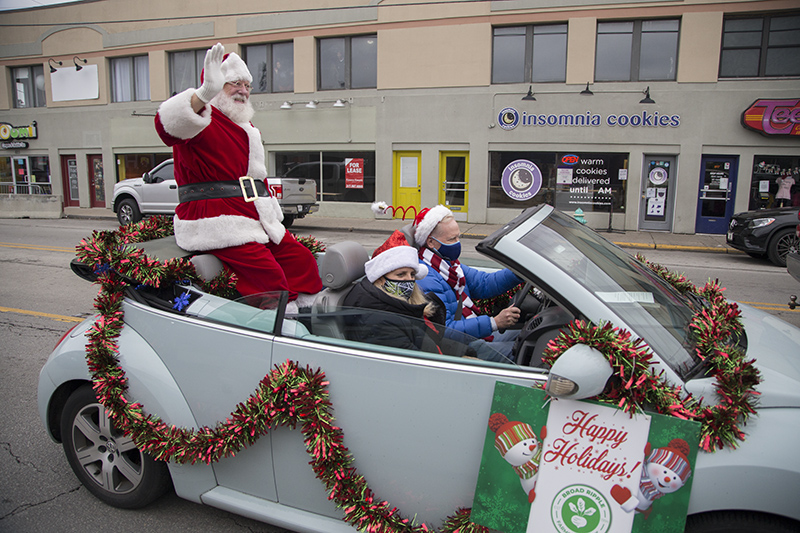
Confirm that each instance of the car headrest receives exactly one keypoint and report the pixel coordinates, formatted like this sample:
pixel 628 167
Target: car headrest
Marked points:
pixel 343 264
pixel 408 231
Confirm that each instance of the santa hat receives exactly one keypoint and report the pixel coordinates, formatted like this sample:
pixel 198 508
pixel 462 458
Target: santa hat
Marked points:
pixel 426 221
pixel 673 456
pixel 509 434
pixel 233 69
pixel 393 254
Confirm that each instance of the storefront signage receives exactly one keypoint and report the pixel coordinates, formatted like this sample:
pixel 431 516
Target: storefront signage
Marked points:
pixel 353 173
pixel 521 180
pixel 13 144
pixel 8 132
pixel 509 118
pixel 773 117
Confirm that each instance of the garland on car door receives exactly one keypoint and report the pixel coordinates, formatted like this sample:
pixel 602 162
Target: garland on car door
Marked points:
pixel 292 396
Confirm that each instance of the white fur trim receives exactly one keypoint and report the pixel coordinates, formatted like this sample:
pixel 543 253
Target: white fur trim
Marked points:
pixel 379 208
pixel 234 69
pixel 218 232
pixel 432 218
pixel 178 118
pixel 255 165
pixel 392 259
pixel 270 215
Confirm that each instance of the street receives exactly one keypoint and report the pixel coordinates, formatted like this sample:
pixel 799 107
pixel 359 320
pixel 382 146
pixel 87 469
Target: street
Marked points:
pixel 40 299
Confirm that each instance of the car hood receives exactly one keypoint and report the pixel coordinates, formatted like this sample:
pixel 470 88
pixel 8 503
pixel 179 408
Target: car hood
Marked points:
pixel 130 182
pixel 764 213
pixel 774 344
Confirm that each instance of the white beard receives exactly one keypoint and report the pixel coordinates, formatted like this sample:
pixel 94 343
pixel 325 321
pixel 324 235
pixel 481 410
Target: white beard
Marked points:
pixel 239 111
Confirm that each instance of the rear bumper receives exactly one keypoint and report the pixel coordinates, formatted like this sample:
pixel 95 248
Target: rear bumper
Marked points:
pixel 793 265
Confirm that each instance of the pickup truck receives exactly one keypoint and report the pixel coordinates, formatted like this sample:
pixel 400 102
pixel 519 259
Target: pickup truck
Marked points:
pixel 156 193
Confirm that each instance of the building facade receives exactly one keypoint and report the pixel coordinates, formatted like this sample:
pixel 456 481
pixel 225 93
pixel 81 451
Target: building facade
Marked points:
pixel 659 116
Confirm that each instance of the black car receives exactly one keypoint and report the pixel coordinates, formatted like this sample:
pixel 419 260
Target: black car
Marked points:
pixel 769 232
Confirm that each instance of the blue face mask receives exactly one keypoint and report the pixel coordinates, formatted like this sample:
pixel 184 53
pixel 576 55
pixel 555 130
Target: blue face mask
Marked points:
pixel 400 288
pixel 450 252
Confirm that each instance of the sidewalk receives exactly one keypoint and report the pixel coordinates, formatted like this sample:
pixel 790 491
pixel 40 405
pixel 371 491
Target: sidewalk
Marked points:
pixel 625 239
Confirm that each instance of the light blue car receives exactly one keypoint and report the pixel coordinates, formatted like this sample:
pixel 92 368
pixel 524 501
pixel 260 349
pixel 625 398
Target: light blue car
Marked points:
pixel 413 420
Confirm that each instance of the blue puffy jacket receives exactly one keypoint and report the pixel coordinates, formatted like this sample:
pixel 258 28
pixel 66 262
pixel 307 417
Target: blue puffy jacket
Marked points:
pixel 480 284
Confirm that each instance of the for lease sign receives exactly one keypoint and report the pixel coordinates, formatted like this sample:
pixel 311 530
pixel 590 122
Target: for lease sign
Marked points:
pixel 773 117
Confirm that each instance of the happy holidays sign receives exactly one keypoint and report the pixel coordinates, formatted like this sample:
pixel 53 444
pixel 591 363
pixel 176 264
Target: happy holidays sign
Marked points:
pixel 581 467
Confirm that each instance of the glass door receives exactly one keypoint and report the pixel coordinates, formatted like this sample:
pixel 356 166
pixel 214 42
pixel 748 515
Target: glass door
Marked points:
pixel 407 184
pixel 69 176
pixel 97 186
pixel 717 192
pixel 658 194
pixel 454 182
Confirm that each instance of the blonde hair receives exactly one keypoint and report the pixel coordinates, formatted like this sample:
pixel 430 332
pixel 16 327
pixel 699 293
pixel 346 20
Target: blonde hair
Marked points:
pixel 416 298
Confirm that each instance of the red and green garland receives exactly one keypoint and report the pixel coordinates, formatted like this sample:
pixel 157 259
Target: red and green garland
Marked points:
pixel 714 329
pixel 292 396
pixel 288 396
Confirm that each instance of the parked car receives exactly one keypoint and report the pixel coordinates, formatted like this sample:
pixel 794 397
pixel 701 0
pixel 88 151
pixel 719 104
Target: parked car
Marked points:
pixel 414 422
pixel 765 232
pixel 156 193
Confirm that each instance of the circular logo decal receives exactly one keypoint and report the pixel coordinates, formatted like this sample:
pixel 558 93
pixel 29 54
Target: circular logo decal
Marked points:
pixel 580 509
pixel 521 180
pixel 508 118
pixel 658 176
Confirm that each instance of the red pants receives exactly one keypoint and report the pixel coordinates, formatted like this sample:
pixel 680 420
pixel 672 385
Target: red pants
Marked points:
pixel 288 266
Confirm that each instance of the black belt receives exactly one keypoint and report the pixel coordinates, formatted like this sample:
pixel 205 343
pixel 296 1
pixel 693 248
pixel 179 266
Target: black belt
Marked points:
pixel 243 187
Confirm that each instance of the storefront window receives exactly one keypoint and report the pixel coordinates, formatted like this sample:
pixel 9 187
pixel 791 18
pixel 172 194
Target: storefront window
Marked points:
pixel 25 175
pixel 769 173
pixel 591 181
pixel 340 176
pixel 135 165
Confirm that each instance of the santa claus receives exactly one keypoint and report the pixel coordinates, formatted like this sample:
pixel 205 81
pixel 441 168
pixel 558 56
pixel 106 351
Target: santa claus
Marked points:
pixel 225 207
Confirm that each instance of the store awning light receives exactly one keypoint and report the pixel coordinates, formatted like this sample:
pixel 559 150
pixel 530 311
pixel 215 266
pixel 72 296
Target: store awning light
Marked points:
pixel 286 105
pixel 647 99
pixel 529 96
pixel 587 91
pixel 75 62
pixel 51 61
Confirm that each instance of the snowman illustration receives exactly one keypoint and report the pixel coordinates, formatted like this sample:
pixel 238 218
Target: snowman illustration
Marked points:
pixel 518 445
pixel 665 470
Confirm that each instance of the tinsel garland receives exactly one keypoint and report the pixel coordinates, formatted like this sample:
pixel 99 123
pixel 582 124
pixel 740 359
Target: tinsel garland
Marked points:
pixel 287 396
pixel 714 328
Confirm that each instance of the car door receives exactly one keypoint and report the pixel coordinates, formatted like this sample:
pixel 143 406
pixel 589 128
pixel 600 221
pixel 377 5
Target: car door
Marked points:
pixel 414 422
pixel 160 191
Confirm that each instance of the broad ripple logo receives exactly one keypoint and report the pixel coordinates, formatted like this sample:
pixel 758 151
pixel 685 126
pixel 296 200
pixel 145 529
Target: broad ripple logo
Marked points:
pixel 508 118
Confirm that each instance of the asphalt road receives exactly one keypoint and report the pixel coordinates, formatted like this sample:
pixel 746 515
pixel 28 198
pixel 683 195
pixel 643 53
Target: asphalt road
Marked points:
pixel 40 298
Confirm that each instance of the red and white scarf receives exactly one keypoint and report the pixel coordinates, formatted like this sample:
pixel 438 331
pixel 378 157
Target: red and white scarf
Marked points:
pixel 454 276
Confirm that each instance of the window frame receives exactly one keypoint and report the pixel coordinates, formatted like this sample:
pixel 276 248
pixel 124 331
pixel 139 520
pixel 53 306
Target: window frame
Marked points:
pixel 199 58
pixel 135 96
pixel 270 60
pixel 636 48
pixel 348 62
pixel 763 48
pixel 37 97
pixel 530 52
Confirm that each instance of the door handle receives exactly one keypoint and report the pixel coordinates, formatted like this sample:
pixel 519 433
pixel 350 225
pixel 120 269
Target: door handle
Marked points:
pixel 173 186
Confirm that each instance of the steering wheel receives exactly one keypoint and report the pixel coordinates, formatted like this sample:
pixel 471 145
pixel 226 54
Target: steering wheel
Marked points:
pixel 520 295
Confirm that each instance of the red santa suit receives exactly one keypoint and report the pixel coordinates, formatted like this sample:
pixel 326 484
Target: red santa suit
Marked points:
pixel 247 236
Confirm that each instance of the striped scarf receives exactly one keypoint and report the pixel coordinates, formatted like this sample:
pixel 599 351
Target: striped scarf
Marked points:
pixel 531 468
pixel 454 276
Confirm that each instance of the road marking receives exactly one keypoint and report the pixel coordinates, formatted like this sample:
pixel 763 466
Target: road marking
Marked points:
pixel 60 318
pixel 36 247
pixel 771 307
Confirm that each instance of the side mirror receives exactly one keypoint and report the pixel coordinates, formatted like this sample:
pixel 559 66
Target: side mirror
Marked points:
pixel 581 372
pixel 146 178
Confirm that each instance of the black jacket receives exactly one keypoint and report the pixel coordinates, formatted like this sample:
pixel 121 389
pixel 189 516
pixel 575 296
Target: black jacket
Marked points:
pixel 400 324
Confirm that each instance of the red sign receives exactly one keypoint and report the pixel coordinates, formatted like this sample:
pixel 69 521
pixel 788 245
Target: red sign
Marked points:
pixel 353 173
pixel 773 117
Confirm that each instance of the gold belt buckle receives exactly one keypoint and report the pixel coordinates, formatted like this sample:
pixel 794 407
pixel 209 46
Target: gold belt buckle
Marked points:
pixel 242 181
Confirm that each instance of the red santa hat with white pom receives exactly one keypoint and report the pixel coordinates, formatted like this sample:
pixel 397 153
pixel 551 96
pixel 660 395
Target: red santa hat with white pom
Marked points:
pixel 393 254
pixel 426 221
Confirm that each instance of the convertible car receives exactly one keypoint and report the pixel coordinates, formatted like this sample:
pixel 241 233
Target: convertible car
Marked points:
pixel 414 421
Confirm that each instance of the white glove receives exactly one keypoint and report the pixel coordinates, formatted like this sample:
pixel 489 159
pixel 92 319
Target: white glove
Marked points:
pixel 212 74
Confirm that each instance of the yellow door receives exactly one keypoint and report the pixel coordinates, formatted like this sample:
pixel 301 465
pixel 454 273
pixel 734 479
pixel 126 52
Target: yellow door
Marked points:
pixel 454 182
pixel 407 184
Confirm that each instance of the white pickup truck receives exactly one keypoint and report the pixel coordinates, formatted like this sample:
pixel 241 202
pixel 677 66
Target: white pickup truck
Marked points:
pixel 156 193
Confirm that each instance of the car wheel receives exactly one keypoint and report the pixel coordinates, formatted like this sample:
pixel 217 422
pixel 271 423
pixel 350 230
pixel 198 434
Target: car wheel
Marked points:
pixel 288 220
pixel 107 462
pixel 781 244
pixel 756 255
pixel 739 522
pixel 128 212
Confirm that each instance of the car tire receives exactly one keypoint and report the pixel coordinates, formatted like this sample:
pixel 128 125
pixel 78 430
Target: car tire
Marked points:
pixel 755 255
pixel 739 522
pixel 105 461
pixel 781 244
pixel 288 220
pixel 128 212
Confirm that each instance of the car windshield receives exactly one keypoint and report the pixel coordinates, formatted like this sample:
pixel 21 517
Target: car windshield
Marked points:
pixel 650 307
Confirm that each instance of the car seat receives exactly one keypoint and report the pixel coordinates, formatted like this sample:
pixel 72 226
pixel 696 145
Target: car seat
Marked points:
pixel 340 268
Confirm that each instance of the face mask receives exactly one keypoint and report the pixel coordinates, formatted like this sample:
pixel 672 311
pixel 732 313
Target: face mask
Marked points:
pixel 449 251
pixel 400 288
